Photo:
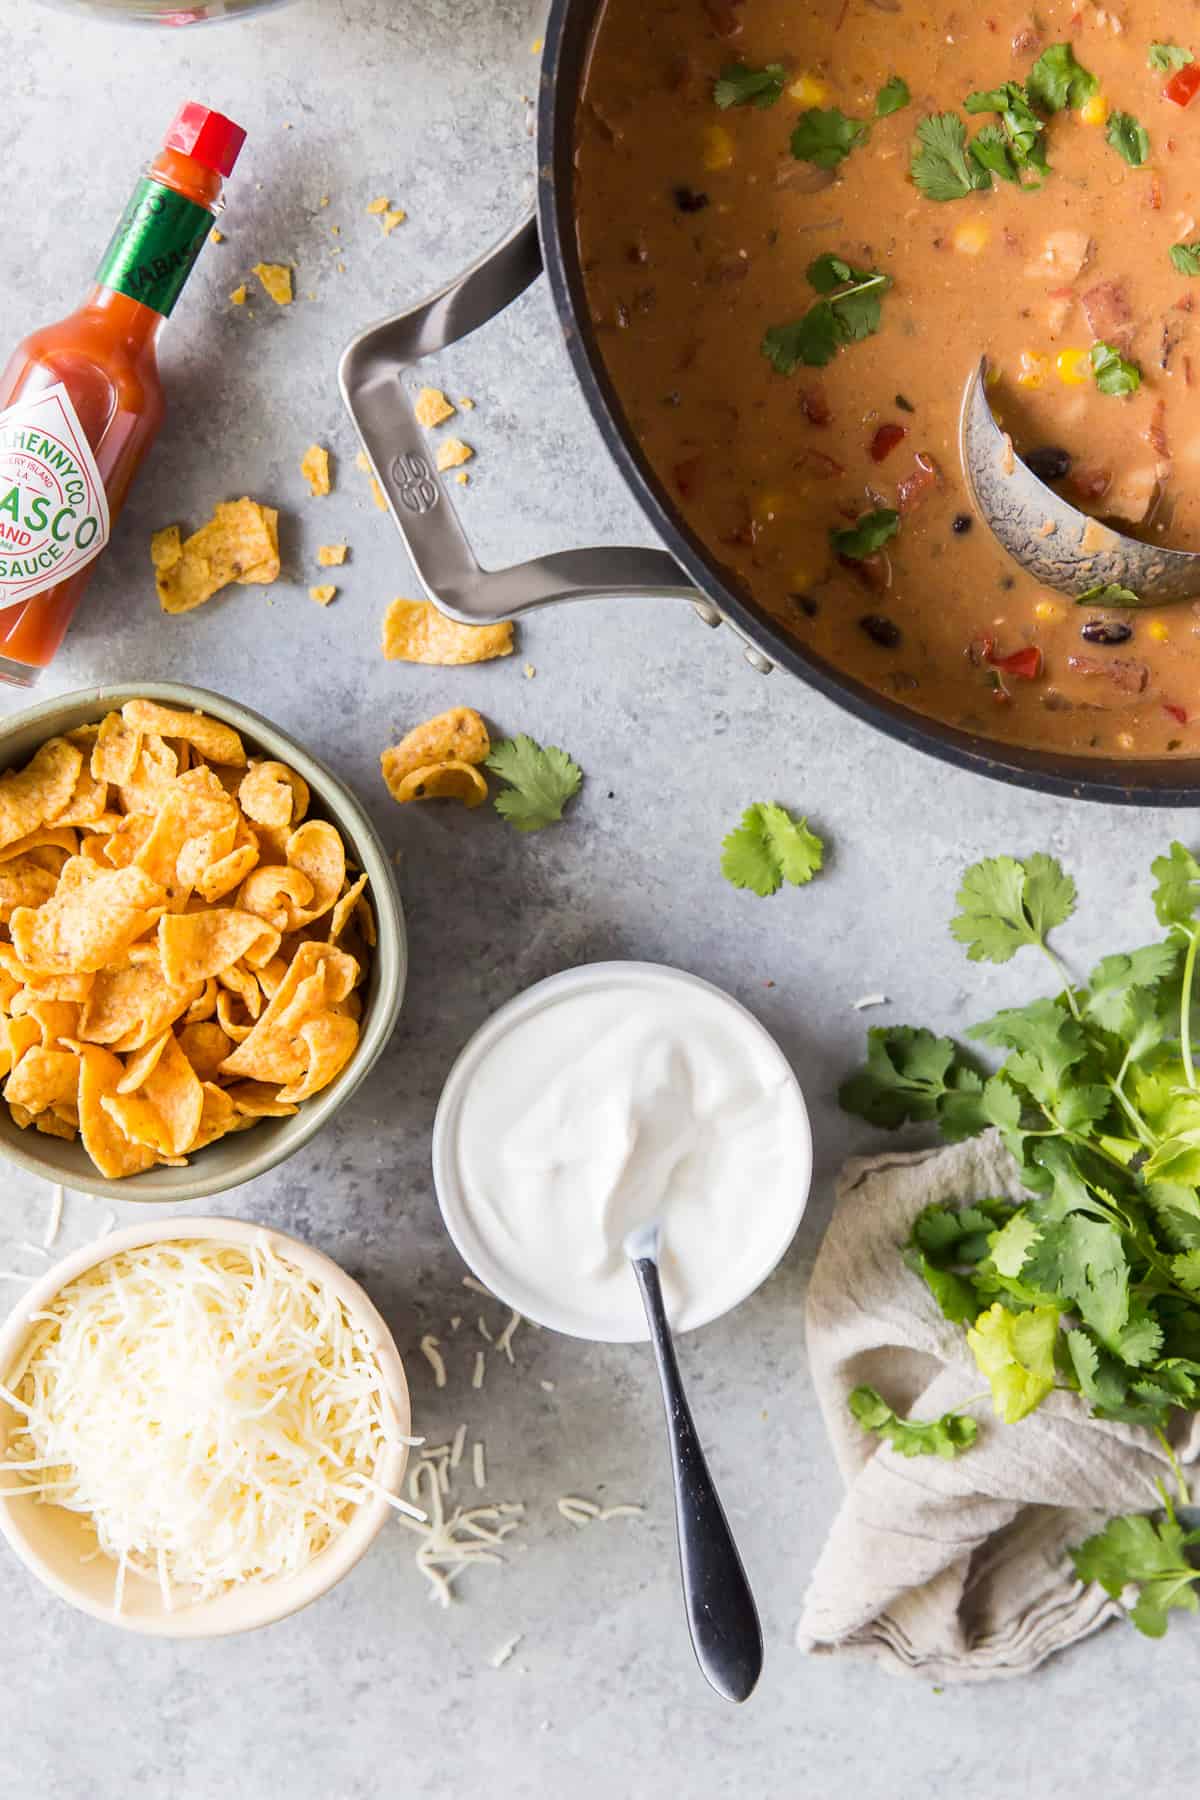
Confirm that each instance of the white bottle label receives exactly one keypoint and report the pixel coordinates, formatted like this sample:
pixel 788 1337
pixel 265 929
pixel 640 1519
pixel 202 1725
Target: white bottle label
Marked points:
pixel 53 508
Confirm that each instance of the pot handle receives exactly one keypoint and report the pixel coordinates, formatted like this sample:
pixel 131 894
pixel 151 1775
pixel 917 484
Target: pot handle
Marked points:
pixel 370 376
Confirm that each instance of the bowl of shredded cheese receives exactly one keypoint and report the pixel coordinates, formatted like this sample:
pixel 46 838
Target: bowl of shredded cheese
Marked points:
pixel 203 1427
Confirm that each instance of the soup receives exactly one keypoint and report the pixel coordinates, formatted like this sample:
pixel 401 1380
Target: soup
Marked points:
pixel 802 226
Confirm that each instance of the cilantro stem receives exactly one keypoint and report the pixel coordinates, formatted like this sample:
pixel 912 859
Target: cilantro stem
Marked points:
pixel 1129 1109
pixel 1185 1008
pixel 1060 970
pixel 1185 1498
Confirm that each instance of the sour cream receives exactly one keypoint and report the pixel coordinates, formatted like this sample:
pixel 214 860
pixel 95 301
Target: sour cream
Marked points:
pixel 600 1099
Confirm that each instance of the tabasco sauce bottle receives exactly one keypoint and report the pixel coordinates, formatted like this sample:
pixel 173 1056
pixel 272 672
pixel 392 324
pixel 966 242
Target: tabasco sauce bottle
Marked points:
pixel 81 401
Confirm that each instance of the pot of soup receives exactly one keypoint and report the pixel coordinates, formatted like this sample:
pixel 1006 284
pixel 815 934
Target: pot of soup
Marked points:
pixel 779 246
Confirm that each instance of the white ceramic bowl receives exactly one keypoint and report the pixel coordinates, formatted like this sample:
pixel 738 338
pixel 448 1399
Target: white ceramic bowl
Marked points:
pixel 772 1235
pixel 50 1541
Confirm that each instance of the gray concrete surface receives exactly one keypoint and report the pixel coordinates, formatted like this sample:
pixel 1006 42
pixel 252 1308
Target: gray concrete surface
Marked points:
pixel 374 1691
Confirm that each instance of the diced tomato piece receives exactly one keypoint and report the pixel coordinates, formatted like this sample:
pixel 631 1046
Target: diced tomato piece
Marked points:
pixel 1184 85
pixel 686 476
pixel 912 490
pixel 885 441
pixel 1026 663
pixel 1176 712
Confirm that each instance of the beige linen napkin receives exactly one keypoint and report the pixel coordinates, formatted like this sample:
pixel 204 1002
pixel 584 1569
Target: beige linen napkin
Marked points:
pixel 953 1571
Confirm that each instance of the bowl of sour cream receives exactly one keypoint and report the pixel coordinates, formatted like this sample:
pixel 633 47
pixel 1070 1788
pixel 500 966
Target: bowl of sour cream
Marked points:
pixel 601 1098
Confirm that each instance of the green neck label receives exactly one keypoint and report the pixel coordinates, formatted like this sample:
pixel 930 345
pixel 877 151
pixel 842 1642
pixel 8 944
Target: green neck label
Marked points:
pixel 154 246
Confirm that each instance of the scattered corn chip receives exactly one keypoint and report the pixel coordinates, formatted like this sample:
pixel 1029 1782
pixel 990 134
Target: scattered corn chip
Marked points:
pixel 415 631
pixel 432 407
pixel 378 495
pixel 238 296
pixel 240 543
pixel 456 736
pixel 277 281
pixel 442 781
pixel 117 747
pixel 394 216
pixel 331 556
pixel 323 594
pixel 452 453
pixel 314 466
pixel 379 205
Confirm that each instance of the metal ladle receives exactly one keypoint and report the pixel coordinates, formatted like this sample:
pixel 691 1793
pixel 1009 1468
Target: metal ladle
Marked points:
pixel 1053 541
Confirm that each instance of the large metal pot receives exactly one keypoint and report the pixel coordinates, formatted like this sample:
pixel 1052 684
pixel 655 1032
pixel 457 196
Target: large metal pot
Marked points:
pixel 685 570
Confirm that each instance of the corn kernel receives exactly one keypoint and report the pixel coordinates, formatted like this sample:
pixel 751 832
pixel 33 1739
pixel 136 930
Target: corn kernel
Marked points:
pixel 992 378
pixel 718 148
pixel 769 506
pixel 807 90
pixel 972 237
pixel 1094 111
pixel 1158 631
pixel 1034 369
pixel 1046 610
pixel 1074 367
pixel 1125 740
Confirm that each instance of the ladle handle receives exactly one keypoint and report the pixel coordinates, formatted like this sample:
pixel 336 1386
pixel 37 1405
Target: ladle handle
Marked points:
pixel 721 1613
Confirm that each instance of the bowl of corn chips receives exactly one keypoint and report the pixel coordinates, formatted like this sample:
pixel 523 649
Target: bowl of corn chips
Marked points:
pixel 202 950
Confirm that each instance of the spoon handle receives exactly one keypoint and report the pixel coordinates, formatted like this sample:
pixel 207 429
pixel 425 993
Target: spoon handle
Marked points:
pixel 721 1614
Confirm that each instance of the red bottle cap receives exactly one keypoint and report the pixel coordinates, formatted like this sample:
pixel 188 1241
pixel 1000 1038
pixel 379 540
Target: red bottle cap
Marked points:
pixel 208 136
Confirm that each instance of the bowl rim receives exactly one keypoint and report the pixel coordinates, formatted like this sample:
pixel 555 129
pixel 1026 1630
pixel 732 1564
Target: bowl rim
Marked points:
pixel 470 1243
pixel 390 955
pixel 255 1605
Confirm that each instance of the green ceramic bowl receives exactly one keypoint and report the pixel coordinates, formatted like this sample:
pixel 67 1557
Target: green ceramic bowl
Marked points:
pixel 245 1154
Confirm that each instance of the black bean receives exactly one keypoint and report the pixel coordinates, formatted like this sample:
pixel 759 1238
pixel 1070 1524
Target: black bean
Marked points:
pixel 881 631
pixel 905 405
pixel 1106 631
pixel 808 606
pixel 962 523
pixel 1049 463
pixel 689 200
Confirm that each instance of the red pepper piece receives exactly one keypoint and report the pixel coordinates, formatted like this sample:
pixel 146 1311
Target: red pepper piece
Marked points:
pixel 885 441
pixel 1176 712
pixel 1184 85
pixel 1026 663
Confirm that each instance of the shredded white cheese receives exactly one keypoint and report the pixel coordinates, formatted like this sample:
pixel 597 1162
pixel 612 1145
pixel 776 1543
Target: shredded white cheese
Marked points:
pixel 499 1657
pixel 215 1415
pixel 866 1000
pixel 456 1540
pixel 483 1330
pixel 547 1387
pixel 433 1356
pixel 587 1512
pixel 477 1287
pixel 54 1222
pixel 480 1367
pixel 478 1467
pixel 504 1341
pixel 456 1448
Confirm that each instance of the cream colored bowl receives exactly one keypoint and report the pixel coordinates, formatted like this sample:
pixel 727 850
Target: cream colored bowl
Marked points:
pixel 241 1155
pixel 51 1541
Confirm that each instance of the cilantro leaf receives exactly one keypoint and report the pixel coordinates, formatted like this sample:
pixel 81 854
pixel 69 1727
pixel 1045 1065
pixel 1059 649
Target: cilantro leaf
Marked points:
pixel 907 1072
pixel 1185 258
pixel 1178 892
pixel 870 534
pixel 850 309
pixel 1006 904
pixel 1015 1353
pixel 740 85
pixel 1135 1552
pixel 1011 1245
pixel 1114 373
pixel 1021 129
pixel 991 151
pixel 1108 593
pixel 1165 57
pixel 1116 980
pixel 825 136
pixel 892 97
pixel 768 848
pixel 541 782
pixel 945 1436
pixel 1129 139
pixel 1056 80
pixel 940 166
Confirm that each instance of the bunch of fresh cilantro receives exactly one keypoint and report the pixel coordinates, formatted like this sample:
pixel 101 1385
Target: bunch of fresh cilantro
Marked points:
pixel 1092 1283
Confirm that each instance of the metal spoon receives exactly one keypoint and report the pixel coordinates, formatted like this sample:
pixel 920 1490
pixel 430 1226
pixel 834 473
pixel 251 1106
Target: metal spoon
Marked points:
pixel 1057 544
pixel 721 1614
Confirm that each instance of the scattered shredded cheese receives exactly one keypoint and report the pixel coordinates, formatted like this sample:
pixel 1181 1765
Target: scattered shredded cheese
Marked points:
pixel 477 1287
pixel 480 1366
pixel 504 1653
pixel 433 1356
pixel 504 1341
pixel 457 1447
pixel 866 1000
pixel 54 1222
pixel 454 1541
pixel 547 1387
pixel 483 1330
pixel 478 1467
pixel 214 1414
pixel 586 1512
